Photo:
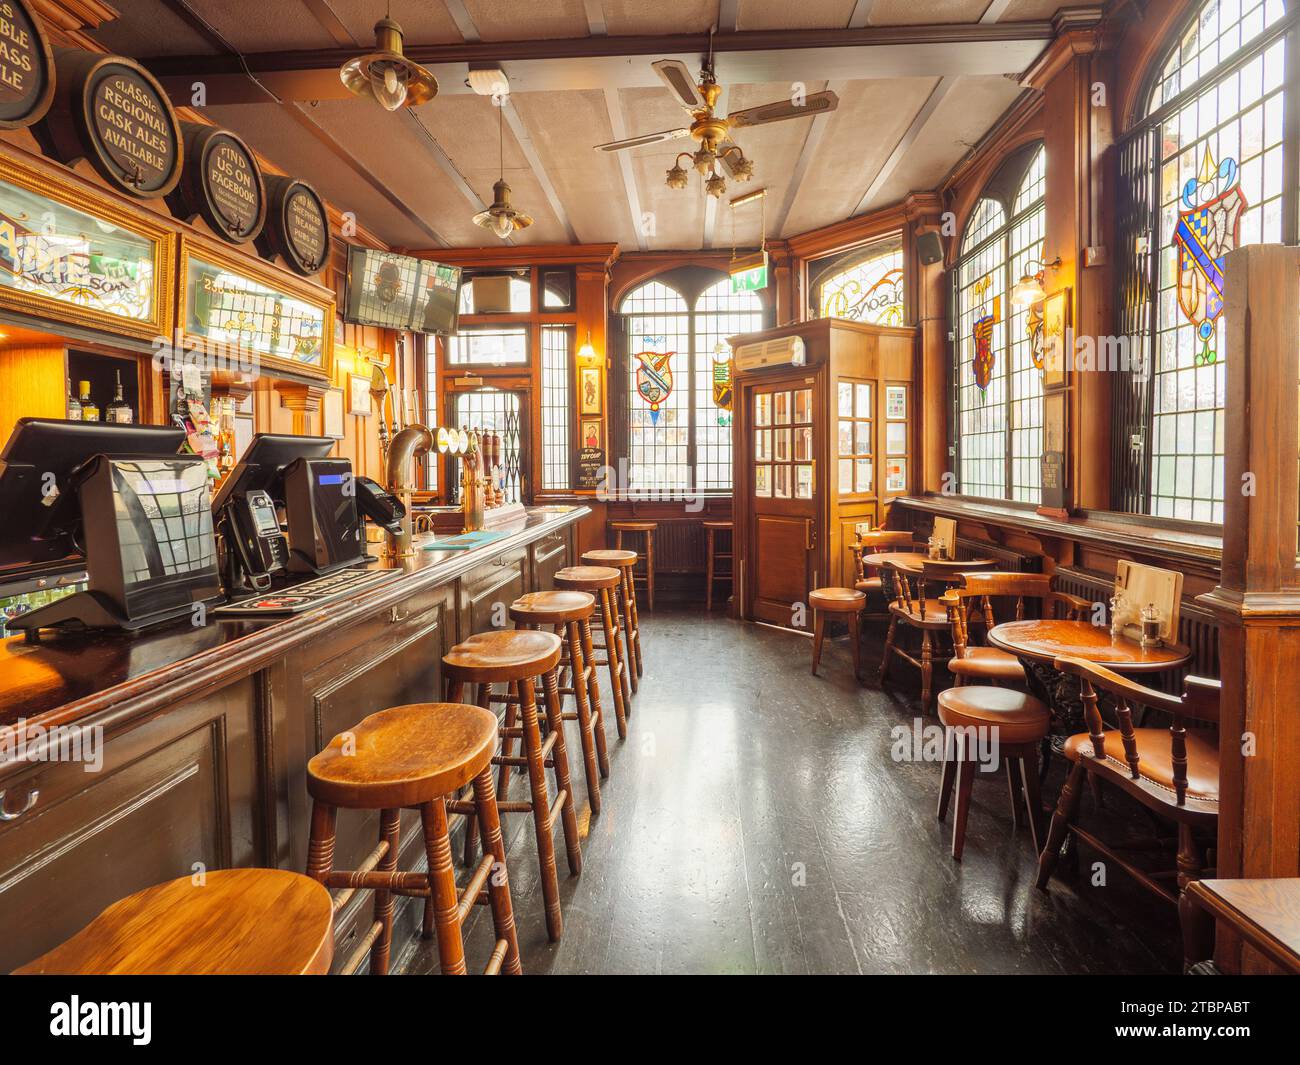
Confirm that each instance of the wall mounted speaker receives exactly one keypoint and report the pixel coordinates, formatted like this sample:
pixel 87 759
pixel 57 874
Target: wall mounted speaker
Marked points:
pixel 929 248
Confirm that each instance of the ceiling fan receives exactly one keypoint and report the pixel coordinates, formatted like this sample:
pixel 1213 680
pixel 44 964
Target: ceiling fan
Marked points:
pixel 713 131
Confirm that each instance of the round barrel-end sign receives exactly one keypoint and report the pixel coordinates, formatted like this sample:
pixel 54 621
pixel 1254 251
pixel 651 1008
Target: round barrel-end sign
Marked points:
pixel 298 227
pixel 111 111
pixel 221 183
pixel 26 67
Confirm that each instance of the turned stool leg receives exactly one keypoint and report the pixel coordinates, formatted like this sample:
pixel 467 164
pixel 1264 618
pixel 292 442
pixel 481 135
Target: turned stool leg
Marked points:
pixel 855 639
pixel 634 612
pixel 589 654
pixel 320 845
pixel 1067 808
pixel 624 597
pixel 542 821
pixel 890 636
pixel 708 570
pixel 591 740
pixel 650 567
pixel 443 902
pixel 617 667
pixel 949 776
pixel 563 781
pixel 489 822
pixel 819 633
pixel 385 904
pixel 965 781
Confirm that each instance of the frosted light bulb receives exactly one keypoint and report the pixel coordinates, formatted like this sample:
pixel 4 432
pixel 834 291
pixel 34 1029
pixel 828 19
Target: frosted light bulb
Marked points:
pixel 387 87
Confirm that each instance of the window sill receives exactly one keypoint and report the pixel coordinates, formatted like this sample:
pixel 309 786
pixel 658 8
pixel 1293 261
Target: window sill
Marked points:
pixel 1191 542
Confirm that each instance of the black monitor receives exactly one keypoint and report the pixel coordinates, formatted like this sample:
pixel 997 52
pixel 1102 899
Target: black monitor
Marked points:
pixel 261 465
pixel 325 530
pixel 40 519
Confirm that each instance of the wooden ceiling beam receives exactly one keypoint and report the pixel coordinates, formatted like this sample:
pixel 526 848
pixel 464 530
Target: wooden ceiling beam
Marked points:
pixel 745 57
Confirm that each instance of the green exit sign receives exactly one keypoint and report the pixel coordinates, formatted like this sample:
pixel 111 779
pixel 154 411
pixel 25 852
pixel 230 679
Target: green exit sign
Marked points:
pixel 750 280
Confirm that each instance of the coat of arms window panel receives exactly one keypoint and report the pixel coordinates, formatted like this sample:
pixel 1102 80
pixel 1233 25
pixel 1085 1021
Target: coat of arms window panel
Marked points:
pixel 1217 112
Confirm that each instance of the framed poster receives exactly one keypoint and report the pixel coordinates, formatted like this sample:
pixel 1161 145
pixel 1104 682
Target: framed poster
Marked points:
pixel 1056 351
pixel 1052 465
pixel 359 395
pixel 332 413
pixel 896 401
pixel 591 433
pixel 589 390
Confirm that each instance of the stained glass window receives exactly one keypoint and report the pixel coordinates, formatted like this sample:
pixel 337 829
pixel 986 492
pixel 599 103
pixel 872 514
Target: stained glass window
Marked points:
pixel 997 386
pixel 678 438
pixel 1214 125
pixel 866 288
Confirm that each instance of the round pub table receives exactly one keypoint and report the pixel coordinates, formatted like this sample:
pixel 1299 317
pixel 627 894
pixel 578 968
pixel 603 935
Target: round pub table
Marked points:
pixel 910 564
pixel 1039 643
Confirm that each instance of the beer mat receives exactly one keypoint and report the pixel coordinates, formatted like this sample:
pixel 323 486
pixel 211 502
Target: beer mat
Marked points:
pixel 464 541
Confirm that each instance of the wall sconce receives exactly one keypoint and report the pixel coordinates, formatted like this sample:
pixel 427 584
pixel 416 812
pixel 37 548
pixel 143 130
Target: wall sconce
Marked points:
pixel 587 354
pixel 1029 289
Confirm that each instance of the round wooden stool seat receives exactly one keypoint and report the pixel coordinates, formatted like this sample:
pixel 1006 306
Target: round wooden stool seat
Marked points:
pixel 837 600
pixel 404 756
pixel 635 526
pixel 503 656
pixel 552 608
pixel 1018 717
pixel 716 524
pixel 587 578
pixel 610 557
pixel 240 922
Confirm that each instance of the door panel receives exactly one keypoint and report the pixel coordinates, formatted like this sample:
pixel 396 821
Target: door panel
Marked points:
pixel 780 568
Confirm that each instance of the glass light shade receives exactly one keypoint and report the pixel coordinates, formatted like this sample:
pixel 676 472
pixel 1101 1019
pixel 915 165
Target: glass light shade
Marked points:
pixel 388 85
pixel 502 225
pixel 1028 291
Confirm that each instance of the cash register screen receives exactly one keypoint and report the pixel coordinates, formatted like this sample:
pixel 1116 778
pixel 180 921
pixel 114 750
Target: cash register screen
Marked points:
pixel 164 530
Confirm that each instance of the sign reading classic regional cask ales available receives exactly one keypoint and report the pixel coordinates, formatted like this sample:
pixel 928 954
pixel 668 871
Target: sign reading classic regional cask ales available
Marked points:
pixel 109 110
pixel 298 227
pixel 26 66
pixel 221 183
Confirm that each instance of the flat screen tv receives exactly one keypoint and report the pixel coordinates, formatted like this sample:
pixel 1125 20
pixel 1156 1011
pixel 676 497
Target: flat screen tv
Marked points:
pixel 399 292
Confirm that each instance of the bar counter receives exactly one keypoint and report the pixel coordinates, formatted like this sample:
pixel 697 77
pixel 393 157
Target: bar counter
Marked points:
pixel 204 732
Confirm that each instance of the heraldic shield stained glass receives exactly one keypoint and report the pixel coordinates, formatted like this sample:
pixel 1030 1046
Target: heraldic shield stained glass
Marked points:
pixel 1217 115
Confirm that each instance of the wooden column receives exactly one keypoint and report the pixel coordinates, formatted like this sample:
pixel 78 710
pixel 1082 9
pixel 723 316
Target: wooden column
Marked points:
pixel 303 400
pixel 1258 598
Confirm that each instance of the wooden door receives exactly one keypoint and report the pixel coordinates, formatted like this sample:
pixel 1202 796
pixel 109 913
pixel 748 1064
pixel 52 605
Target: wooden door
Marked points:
pixel 783 490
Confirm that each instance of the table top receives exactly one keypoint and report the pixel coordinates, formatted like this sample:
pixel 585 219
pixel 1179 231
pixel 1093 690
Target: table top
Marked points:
pixel 912 561
pixel 1266 912
pixel 1044 641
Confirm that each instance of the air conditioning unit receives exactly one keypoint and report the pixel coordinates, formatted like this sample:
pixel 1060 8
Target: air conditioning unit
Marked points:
pixel 765 354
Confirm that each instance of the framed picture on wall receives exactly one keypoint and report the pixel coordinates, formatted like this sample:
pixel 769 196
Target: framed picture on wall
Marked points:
pixel 591 432
pixel 359 395
pixel 589 390
pixel 332 413
pixel 1056 350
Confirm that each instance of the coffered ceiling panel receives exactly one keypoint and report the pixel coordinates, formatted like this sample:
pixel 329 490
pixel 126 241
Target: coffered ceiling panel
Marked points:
pixel 641 17
pixel 860 135
pixel 912 12
pixel 511 20
pixel 963 116
pixel 563 127
pixel 788 15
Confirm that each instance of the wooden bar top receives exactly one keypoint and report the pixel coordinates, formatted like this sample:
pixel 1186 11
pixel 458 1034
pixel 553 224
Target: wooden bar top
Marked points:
pixel 64 678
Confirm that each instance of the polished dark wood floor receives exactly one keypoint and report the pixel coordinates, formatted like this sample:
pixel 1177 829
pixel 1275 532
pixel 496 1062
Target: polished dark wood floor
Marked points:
pixel 755 821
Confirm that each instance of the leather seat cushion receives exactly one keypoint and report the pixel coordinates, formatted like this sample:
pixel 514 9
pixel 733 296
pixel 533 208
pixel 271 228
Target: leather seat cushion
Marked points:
pixel 987 663
pixel 936 614
pixel 1019 717
pixel 1155 758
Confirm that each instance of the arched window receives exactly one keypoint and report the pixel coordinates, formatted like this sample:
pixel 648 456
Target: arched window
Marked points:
pixel 997 375
pixel 865 286
pixel 1203 170
pixel 678 437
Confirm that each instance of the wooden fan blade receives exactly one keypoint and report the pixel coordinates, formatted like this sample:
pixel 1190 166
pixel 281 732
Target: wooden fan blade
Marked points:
pixel 646 138
pixel 678 79
pixel 819 103
pixel 728 160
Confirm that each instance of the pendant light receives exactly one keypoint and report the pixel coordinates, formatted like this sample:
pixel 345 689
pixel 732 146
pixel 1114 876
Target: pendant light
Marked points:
pixel 501 218
pixel 386 75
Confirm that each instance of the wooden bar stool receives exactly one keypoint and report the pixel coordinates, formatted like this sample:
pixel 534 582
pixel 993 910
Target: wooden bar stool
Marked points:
pixel 846 605
pixel 974 713
pixel 412 757
pixel 646 529
pixel 515 657
pixel 714 556
pixel 566 613
pixel 234 922
pixel 603 582
pixel 629 618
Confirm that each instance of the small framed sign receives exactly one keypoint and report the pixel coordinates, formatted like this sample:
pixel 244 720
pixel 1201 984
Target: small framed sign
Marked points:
pixel 589 390
pixel 359 395
pixel 1056 350
pixel 332 413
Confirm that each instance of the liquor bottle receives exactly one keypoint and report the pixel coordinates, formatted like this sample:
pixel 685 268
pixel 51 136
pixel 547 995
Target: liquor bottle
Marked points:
pixel 89 409
pixel 119 410
pixel 226 438
pixel 74 408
